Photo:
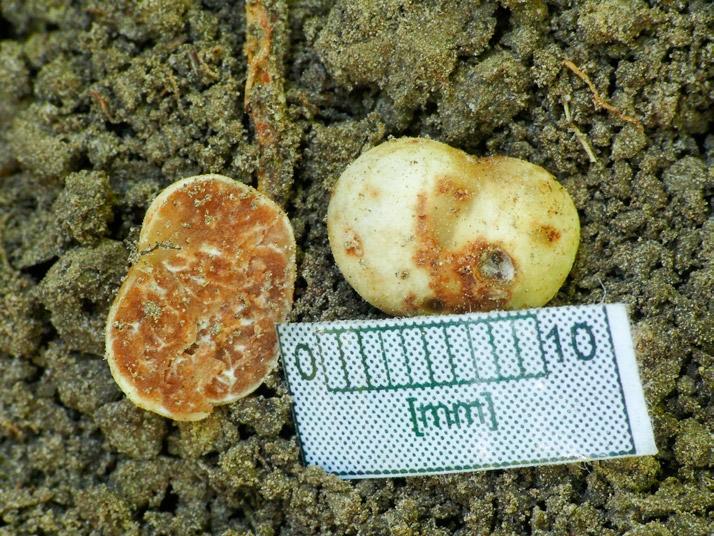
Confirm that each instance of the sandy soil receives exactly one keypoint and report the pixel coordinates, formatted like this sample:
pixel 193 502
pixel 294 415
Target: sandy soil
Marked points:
pixel 102 104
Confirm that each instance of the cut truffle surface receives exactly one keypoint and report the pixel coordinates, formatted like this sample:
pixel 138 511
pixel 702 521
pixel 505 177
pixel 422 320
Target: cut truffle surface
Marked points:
pixel 193 324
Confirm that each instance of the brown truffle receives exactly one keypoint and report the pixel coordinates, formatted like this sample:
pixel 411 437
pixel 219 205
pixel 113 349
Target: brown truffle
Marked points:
pixel 193 324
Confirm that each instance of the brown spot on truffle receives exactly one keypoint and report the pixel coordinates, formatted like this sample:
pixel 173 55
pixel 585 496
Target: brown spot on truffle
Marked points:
pixel 549 233
pixel 353 243
pixel 450 199
pixel 453 188
pixel 476 277
pixel 434 305
pixel 410 304
pixel 374 193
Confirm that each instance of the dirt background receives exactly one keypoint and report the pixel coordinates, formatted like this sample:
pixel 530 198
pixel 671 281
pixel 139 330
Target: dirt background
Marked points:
pixel 102 104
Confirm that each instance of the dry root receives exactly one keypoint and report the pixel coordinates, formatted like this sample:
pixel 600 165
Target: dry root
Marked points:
pixel 582 138
pixel 276 135
pixel 599 101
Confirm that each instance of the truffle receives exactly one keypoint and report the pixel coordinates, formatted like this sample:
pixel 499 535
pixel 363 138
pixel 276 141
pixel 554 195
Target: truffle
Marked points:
pixel 193 324
pixel 417 226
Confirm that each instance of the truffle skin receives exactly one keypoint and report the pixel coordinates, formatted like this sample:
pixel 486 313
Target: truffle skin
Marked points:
pixel 417 226
pixel 193 324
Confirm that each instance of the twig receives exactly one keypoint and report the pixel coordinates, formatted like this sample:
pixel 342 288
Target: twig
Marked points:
pixel 200 67
pixel 174 89
pixel 582 138
pixel 604 290
pixel 597 99
pixel 276 135
pixel 159 245
pixel 102 102
pixel 3 254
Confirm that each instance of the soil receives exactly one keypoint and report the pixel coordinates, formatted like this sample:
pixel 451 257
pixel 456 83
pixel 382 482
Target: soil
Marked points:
pixel 102 104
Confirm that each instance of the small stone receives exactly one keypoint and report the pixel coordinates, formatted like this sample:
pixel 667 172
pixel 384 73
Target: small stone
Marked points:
pixel 470 234
pixel 193 324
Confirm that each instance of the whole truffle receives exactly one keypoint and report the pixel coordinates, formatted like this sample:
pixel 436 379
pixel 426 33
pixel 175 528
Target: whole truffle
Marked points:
pixel 417 226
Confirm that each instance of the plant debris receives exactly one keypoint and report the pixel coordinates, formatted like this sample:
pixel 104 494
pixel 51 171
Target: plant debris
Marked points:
pixel 277 137
pixel 597 99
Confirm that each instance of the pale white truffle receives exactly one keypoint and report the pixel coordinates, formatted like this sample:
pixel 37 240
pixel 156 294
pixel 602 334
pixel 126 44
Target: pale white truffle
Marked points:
pixel 417 226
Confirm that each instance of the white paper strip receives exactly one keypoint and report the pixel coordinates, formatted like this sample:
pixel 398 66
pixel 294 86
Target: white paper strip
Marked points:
pixel 428 395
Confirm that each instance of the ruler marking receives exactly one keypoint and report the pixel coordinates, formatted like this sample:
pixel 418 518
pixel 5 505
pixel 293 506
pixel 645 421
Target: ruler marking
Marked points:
pixel 343 362
pixel 363 358
pixel 322 362
pixel 384 358
pixel 450 353
pixel 427 354
pixel 517 344
pixel 403 345
pixel 456 379
pixel 421 335
pixel 541 346
pixel 494 350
